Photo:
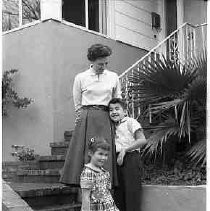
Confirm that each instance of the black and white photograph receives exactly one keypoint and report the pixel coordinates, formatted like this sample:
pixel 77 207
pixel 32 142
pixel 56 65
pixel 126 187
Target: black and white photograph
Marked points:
pixel 104 105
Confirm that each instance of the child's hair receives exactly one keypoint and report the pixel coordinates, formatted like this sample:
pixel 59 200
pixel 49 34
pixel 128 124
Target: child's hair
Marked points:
pixel 98 142
pixel 117 100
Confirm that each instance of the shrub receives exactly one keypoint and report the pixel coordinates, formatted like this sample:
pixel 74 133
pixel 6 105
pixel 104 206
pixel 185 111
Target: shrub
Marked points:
pixel 23 153
pixel 9 95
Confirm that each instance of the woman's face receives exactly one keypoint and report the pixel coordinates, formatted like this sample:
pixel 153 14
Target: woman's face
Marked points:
pixel 100 64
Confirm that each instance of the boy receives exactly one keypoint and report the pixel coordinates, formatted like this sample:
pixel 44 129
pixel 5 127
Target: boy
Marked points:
pixel 129 138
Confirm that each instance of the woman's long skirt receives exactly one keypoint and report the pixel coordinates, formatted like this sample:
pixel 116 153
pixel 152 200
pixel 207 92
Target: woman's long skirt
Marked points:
pixel 93 122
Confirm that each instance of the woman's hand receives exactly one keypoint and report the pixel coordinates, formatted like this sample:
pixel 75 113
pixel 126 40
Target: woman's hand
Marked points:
pixel 78 115
pixel 120 157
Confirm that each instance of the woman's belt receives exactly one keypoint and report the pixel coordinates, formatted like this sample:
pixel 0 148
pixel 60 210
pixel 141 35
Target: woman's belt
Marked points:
pixel 95 107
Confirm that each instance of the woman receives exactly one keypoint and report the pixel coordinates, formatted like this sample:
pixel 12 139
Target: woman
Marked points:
pixel 92 90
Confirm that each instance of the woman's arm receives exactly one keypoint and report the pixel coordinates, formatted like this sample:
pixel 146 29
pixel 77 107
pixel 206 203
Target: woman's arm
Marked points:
pixel 85 199
pixel 117 90
pixel 77 93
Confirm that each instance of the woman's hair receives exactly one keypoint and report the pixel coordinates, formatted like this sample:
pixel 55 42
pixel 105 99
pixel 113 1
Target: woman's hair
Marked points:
pixel 98 142
pixel 119 101
pixel 98 51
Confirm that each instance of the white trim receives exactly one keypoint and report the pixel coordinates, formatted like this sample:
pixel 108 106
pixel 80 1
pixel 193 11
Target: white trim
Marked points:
pixel 22 27
pixel 51 9
pixel 180 20
pixel 20 11
pixel 71 25
pixel 85 29
pixel 111 28
pixel 163 20
pixel 86 14
pixel 180 12
pixel 100 15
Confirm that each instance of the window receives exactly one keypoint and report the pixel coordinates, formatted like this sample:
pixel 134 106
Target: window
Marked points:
pixel 88 13
pixel 16 13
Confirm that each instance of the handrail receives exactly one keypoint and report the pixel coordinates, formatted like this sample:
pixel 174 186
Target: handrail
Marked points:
pixel 182 44
pixel 157 46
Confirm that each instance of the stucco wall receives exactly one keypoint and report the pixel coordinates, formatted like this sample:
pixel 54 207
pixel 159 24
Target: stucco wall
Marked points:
pixel 48 56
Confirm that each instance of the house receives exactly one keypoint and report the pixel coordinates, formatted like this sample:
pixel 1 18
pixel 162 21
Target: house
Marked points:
pixel 49 52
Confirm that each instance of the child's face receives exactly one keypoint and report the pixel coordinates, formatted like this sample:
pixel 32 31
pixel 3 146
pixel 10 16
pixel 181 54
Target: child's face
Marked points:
pixel 99 157
pixel 116 112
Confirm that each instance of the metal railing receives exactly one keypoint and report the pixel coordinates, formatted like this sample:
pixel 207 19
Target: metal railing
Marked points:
pixel 184 43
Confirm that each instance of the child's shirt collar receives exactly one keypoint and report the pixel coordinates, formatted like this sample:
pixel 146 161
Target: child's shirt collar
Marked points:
pixel 96 170
pixel 124 119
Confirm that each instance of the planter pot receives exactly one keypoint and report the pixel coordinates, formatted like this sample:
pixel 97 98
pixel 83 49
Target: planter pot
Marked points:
pixel 174 198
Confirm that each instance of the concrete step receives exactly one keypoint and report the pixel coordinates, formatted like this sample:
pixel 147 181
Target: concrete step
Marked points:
pixel 68 135
pixel 48 197
pixel 65 207
pixel 37 176
pixel 59 148
pixel 10 168
pixel 51 162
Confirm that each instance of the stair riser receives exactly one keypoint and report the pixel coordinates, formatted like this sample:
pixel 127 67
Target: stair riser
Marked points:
pixel 10 177
pixel 46 201
pixel 58 150
pixel 9 169
pixel 51 165
pixel 38 179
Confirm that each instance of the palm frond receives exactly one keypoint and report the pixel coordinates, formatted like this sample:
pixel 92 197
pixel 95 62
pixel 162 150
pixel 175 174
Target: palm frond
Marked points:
pixel 197 153
pixel 159 80
pixel 160 135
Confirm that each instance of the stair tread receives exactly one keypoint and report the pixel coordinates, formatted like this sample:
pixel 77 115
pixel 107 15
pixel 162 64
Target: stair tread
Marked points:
pixel 60 144
pixel 40 189
pixel 60 207
pixel 52 158
pixel 33 172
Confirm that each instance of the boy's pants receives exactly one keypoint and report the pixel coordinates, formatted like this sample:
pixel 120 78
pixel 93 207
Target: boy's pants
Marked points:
pixel 127 195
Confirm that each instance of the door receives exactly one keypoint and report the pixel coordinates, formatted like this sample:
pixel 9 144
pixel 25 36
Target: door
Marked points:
pixel 171 16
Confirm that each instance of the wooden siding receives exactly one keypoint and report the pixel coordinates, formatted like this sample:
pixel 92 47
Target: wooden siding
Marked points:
pixel 133 22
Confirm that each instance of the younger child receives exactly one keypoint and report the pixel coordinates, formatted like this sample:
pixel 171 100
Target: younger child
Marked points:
pixel 95 181
pixel 129 137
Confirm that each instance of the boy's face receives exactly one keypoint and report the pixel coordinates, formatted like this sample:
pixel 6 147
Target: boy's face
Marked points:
pixel 116 112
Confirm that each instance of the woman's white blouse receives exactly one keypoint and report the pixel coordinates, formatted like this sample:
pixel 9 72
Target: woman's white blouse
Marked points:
pixel 92 89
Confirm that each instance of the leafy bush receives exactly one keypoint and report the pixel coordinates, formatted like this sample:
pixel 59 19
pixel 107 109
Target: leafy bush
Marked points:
pixel 9 95
pixel 23 153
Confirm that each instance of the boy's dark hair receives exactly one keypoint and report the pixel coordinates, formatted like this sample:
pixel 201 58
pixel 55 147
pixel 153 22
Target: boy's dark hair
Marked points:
pixel 98 142
pixel 98 51
pixel 117 100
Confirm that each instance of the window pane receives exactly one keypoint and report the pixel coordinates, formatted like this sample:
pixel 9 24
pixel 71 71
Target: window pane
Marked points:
pixel 74 11
pixel 10 14
pixel 31 10
pixel 93 13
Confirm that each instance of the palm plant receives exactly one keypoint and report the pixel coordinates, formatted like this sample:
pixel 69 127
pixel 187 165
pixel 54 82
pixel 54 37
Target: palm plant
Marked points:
pixel 174 94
